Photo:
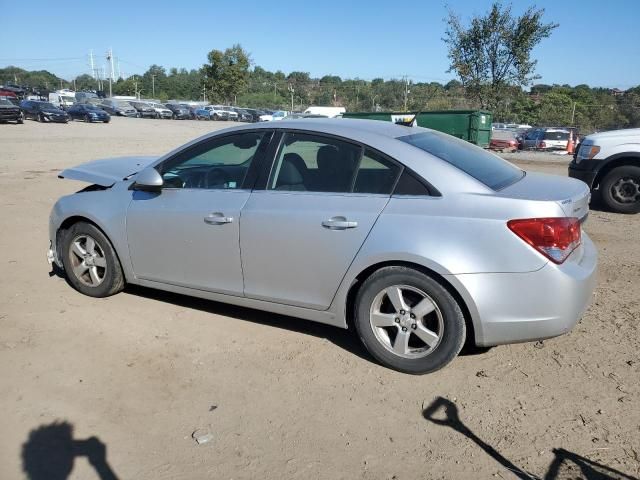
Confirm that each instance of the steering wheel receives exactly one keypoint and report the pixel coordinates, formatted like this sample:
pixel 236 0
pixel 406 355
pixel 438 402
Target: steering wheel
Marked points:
pixel 215 177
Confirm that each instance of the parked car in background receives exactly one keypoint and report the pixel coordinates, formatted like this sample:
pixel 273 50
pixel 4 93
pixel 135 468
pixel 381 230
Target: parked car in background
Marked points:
pixel 330 112
pixel 10 112
pixel 546 139
pixel 83 97
pixel 216 112
pixel 118 107
pixel 243 115
pixel 255 113
pixel 43 111
pixel 232 115
pixel 161 110
pixel 144 110
pixel 203 113
pixel 179 112
pixel 277 115
pixel 609 163
pixel 318 220
pixel 503 140
pixel 89 113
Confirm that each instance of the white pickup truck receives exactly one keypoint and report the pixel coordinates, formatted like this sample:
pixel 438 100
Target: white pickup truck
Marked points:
pixel 609 162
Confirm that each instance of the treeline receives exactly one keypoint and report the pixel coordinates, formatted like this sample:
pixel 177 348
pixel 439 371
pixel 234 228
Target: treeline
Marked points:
pixel 589 108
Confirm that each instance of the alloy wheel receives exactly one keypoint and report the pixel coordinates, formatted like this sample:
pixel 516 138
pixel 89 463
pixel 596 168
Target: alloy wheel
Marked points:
pixel 87 260
pixel 406 321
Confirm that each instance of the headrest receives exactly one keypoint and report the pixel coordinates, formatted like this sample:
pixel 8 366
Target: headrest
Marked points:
pixel 289 173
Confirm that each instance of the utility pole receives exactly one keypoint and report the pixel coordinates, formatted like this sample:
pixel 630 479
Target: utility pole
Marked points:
pixel 406 92
pixel 275 91
pixel 153 85
pixel 110 58
pixel 93 68
pixel 357 93
pixel 573 113
pixel 292 91
pixel 60 84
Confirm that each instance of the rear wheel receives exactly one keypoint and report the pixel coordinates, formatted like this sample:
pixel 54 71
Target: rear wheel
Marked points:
pixel 620 189
pixel 87 118
pixel 408 321
pixel 90 262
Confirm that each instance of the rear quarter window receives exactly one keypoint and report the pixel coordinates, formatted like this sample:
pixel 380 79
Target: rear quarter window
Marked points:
pixel 485 167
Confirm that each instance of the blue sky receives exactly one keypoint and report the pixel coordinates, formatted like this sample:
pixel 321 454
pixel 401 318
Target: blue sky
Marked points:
pixel 597 42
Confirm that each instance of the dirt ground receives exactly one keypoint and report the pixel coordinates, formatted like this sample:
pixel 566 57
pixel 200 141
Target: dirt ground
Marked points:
pixel 119 385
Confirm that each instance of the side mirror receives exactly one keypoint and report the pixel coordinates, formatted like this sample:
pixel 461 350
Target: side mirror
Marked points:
pixel 148 180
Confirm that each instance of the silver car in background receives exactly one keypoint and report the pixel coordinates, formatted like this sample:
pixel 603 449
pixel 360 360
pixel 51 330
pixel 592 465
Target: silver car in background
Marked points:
pixel 416 239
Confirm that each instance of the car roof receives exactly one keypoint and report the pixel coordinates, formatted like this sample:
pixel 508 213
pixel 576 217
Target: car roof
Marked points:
pixel 344 127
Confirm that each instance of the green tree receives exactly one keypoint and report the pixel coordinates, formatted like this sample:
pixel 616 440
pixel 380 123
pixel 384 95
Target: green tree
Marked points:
pixel 227 73
pixel 494 50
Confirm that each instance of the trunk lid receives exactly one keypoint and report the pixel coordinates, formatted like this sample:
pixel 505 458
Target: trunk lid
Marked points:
pixel 106 172
pixel 572 195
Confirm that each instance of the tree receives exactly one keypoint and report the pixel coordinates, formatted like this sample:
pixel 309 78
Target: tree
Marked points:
pixel 227 73
pixel 494 51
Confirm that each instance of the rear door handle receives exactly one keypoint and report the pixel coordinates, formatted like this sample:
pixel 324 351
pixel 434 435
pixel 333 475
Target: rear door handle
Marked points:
pixel 217 218
pixel 338 223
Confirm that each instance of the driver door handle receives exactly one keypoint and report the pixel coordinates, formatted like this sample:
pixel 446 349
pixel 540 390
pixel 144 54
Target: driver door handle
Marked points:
pixel 338 223
pixel 217 218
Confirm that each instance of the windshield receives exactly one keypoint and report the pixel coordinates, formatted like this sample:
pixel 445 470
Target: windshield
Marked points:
pixel 556 135
pixel 485 167
pixel 6 102
pixel 88 106
pixel 67 99
pixel 46 105
pixel 123 104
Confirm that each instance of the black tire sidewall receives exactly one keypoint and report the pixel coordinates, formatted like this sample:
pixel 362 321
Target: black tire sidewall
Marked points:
pixel 113 281
pixel 454 334
pixel 609 180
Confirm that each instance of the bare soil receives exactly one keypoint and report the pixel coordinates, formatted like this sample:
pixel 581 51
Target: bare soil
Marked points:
pixel 120 384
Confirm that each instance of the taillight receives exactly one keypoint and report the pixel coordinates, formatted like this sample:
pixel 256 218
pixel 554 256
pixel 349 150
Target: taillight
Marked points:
pixel 543 145
pixel 555 237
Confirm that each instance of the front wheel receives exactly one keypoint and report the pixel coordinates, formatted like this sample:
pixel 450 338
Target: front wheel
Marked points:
pixel 620 189
pixel 90 262
pixel 408 321
pixel 87 118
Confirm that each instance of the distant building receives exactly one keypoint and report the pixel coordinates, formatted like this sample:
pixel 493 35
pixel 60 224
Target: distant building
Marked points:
pixel 616 92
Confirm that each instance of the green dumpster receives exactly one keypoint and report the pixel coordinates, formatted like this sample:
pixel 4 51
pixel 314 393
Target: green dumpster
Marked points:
pixel 471 125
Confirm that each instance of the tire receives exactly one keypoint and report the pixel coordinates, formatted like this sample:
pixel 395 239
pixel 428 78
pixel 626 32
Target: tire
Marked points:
pixel 620 189
pixel 41 118
pixel 442 323
pixel 105 121
pixel 20 121
pixel 215 117
pixel 104 276
pixel 87 118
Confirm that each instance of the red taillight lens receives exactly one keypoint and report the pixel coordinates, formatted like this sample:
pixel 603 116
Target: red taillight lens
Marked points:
pixel 554 237
pixel 543 145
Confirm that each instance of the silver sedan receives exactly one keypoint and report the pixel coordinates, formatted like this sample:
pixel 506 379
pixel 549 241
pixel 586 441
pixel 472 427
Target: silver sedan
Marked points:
pixel 416 239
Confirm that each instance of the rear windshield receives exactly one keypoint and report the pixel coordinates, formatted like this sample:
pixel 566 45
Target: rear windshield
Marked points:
pixel 486 167
pixel 556 135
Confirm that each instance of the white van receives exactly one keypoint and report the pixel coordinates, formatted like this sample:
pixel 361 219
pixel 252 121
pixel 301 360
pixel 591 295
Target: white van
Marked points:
pixel 330 112
pixel 62 99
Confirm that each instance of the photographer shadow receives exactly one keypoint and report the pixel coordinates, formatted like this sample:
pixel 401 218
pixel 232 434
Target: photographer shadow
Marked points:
pixel 50 451
pixel 443 412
